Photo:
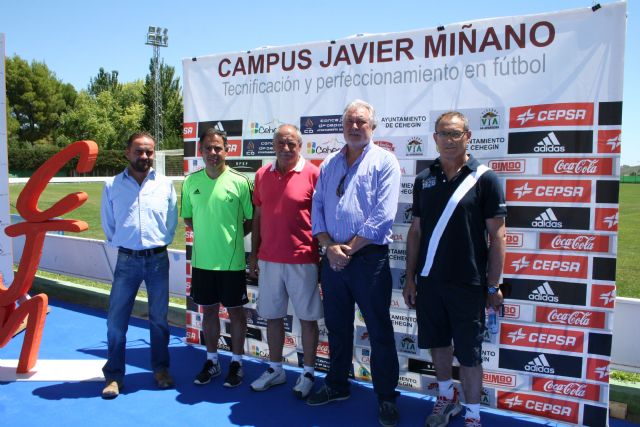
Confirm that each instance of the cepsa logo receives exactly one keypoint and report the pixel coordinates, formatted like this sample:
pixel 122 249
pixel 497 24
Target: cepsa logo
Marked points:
pixel 571 317
pixel 508 166
pixel 598 370
pixel 570 191
pixel 603 295
pixel 234 148
pixel 539 337
pixel 574 242
pixel 566 388
pixel 577 166
pixel 193 336
pixel 607 219
pixel 564 114
pixel 609 141
pixel 538 405
pixel 189 130
pixel 540 264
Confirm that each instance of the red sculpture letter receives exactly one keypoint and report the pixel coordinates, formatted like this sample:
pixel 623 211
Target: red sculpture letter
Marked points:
pixel 36 224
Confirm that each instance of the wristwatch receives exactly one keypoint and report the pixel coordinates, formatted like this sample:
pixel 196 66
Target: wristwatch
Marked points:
pixel 493 289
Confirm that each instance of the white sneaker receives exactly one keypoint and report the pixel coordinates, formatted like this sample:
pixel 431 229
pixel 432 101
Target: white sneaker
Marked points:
pixel 269 378
pixel 303 385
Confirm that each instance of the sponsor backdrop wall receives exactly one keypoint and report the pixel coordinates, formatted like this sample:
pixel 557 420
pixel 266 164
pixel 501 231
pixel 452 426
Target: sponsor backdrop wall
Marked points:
pixel 6 257
pixel 543 96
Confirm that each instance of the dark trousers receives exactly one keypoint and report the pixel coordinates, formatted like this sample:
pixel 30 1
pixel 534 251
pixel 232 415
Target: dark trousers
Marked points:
pixel 366 281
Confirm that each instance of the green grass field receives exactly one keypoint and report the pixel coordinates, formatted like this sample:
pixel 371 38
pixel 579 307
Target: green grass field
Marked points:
pixel 90 210
pixel 628 266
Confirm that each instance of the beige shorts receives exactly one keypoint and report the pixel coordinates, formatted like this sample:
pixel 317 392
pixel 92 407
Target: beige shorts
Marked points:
pixel 278 283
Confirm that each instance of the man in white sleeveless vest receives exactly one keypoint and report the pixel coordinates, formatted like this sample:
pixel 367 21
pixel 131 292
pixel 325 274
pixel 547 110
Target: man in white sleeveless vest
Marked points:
pixel 455 253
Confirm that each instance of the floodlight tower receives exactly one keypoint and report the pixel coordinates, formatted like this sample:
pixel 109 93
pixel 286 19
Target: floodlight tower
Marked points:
pixel 157 37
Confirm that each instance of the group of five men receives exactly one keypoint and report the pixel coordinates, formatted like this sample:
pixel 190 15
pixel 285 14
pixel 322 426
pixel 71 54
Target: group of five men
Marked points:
pixel 345 210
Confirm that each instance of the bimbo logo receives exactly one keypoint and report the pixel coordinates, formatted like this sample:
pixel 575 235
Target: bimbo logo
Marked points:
pixel 564 114
pixel 507 166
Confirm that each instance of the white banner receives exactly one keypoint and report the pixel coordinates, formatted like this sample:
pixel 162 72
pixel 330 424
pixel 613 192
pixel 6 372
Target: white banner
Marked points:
pixel 6 257
pixel 543 94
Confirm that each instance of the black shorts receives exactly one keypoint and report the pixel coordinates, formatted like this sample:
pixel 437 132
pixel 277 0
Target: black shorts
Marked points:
pixel 448 311
pixel 210 287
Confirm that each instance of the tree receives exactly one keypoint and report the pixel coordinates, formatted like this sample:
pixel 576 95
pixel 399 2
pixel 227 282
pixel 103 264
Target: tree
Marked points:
pixel 36 101
pixel 104 81
pixel 172 109
pixel 107 118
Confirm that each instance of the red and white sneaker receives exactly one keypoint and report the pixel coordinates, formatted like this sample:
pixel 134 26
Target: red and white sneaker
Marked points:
pixel 443 410
pixel 472 422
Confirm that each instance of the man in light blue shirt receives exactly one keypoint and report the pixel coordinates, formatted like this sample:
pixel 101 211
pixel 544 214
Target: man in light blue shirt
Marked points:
pixel 139 216
pixel 354 205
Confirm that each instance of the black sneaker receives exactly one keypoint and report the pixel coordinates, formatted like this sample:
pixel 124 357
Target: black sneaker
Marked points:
pixel 209 370
pixel 234 377
pixel 388 414
pixel 326 395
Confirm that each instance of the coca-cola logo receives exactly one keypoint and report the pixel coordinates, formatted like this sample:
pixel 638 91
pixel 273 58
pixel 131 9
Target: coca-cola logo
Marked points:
pixel 577 243
pixel 583 166
pixel 566 389
pixel 575 318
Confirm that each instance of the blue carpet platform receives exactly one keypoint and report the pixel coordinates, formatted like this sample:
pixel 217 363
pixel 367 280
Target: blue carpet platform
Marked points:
pixel 75 333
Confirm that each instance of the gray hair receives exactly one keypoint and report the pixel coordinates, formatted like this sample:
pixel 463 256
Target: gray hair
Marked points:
pixel 358 103
pixel 449 114
pixel 294 127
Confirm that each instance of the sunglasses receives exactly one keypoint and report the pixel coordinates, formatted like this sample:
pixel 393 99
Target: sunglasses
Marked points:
pixel 340 189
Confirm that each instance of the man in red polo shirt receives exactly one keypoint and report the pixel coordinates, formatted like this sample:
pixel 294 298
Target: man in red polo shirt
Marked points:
pixel 284 255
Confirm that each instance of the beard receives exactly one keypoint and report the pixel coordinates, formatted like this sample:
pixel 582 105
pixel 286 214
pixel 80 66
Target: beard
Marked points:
pixel 141 165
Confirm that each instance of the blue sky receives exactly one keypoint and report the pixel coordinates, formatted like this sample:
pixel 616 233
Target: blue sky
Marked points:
pixel 76 38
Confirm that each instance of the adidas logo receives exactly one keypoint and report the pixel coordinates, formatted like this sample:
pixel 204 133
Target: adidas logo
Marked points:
pixel 540 365
pixel 546 219
pixel 543 293
pixel 549 144
pixel 197 191
pixel 218 126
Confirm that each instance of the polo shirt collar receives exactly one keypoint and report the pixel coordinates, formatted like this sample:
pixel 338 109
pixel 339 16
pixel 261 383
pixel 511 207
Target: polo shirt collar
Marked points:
pixel 298 168
pixel 471 164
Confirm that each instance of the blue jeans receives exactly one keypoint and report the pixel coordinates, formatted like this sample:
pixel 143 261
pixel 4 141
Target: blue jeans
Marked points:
pixel 366 281
pixel 130 271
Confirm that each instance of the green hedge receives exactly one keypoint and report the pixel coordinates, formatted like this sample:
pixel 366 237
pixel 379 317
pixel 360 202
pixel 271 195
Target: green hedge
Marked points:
pixel 21 161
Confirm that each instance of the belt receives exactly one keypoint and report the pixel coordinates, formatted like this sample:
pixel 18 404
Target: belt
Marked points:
pixel 143 252
pixel 371 248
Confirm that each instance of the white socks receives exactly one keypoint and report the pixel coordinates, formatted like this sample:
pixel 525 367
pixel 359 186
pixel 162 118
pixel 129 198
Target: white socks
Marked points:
pixel 446 388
